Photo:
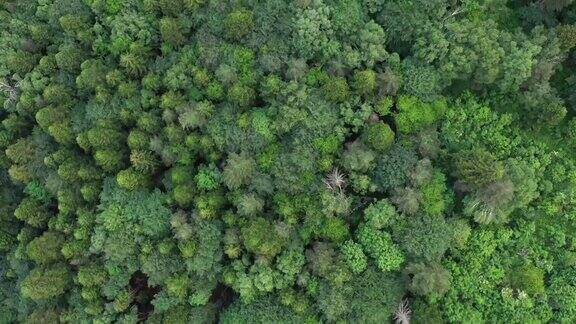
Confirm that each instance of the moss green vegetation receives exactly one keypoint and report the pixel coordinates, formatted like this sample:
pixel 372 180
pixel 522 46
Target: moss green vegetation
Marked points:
pixel 287 161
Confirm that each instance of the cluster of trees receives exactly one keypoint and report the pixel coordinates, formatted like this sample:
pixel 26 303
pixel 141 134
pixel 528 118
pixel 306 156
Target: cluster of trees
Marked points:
pixel 201 161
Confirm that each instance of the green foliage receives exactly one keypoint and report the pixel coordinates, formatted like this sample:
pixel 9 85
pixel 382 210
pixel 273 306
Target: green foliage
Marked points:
pixel 379 136
pixel 380 214
pixel 171 31
pixel 529 279
pixel 108 160
pixel 131 179
pixel 426 237
pixel 428 279
pixel 567 35
pixel 91 275
pixel 143 161
pixel 413 114
pixel 238 23
pixel 238 171
pixel 45 248
pixel 32 212
pixel 357 157
pixel 434 195
pixel 374 296
pixel 123 208
pixel 423 312
pixel 262 237
pixel 563 294
pixel 379 246
pixel 370 298
pixel 420 81
pixel 383 106
pixel 45 283
pixel 483 127
pixel 241 95
pixel 123 300
pixel 310 161
pixel 262 310
pixel 354 256
pixel 208 178
pixel 336 89
pixel 461 232
pixel 391 170
pixel 478 167
pixel 364 82
pixel 250 205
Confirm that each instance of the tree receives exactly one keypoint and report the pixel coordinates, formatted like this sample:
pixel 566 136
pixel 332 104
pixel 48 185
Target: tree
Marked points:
pixel 428 279
pixel 554 5
pixel 414 115
pixel 208 178
pixel 250 205
pixel 357 157
pixel 144 161
pixel 131 179
pixel 238 23
pixel 49 315
pixel 374 297
pixel 354 256
pixel 543 106
pixel 184 314
pixel 383 106
pixel 45 248
pixel 336 89
pixel 263 310
pixel 313 33
pixel 172 32
pixel 109 160
pixel 380 247
pixel 563 293
pixel 392 169
pixel 529 279
pixel 492 203
pixel 45 283
pixel 424 312
pixel 461 232
pixel 238 171
pixel 379 136
pixel 364 82
pixel 21 62
pixel 135 60
pixel 261 237
pixel 370 41
pixel 290 262
pixel 478 167
pixel 33 212
pixel 380 214
pixel 370 298
pixel 407 200
pixel 308 161
pixel 421 81
pixel 434 194
pixel 567 35
pixel 322 259
pixel 70 58
pixel 425 237
pixel 92 275
pixel 241 95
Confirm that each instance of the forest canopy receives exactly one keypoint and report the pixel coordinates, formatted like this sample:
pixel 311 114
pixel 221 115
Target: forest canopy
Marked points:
pixel 287 161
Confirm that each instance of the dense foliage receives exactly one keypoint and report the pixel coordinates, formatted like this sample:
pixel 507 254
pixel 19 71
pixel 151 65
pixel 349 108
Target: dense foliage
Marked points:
pixel 287 161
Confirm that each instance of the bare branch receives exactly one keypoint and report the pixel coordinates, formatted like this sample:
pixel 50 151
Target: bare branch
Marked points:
pixel 335 180
pixel 11 92
pixel 402 313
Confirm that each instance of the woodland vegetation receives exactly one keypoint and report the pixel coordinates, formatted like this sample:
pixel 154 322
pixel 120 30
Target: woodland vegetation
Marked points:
pixel 287 161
